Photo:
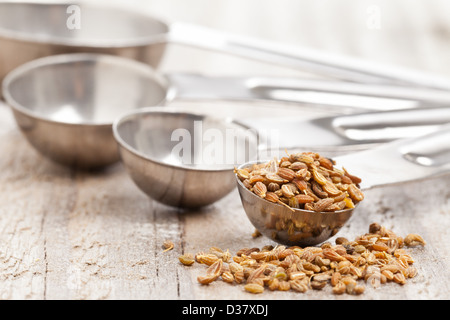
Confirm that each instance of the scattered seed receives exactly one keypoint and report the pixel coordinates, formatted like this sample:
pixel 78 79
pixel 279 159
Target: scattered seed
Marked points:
pixel 207 259
pixel 318 285
pixel 299 285
pixel 284 285
pixel 374 227
pixel 228 277
pixel 339 288
pixel 344 266
pixel 212 273
pixel 187 259
pixel 414 240
pixel 335 278
pixel 254 288
pixel 168 245
pixel 256 234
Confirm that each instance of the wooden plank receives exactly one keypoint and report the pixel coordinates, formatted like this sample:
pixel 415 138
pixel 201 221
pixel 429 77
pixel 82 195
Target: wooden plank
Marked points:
pixel 80 235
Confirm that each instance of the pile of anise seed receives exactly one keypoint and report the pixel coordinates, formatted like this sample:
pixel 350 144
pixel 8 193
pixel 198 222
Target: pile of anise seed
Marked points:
pixel 304 180
pixel 375 258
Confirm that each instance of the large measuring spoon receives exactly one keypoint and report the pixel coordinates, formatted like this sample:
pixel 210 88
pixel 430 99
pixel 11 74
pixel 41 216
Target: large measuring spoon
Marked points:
pixel 56 28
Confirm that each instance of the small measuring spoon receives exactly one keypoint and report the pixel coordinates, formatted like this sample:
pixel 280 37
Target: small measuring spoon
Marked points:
pixel 397 162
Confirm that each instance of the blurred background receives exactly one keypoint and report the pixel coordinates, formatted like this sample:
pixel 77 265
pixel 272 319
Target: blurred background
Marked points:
pixel 413 34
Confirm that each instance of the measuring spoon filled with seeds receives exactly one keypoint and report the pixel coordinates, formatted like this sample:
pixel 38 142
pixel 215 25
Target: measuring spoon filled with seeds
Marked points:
pixel 304 198
pixel 186 160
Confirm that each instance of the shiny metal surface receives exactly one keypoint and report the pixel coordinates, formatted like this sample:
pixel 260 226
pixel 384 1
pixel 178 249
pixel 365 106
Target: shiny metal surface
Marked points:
pixel 33 30
pixel 65 105
pixel 362 130
pixel 404 160
pixel 112 30
pixel 340 96
pixel 106 29
pixel 293 228
pixel 302 58
pixel 78 96
pixel 148 148
pixel 397 162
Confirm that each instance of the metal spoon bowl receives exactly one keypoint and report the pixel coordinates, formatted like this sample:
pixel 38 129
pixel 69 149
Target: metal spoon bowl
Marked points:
pixel 29 31
pixel 65 105
pixel 294 227
pixel 172 158
pixel 32 30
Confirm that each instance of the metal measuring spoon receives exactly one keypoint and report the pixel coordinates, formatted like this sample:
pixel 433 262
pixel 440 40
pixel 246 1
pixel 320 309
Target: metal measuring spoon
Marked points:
pixel 166 154
pixel 193 175
pixel 66 104
pixel 393 163
pixel 113 30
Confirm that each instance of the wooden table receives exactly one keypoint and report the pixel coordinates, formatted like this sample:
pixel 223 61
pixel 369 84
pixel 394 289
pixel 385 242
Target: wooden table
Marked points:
pixel 67 234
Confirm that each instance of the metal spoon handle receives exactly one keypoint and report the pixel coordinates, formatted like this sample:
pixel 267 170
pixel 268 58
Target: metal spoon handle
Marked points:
pixel 330 65
pixel 325 94
pixel 266 84
pixel 403 160
pixel 356 131
pixel 432 150
pixel 390 125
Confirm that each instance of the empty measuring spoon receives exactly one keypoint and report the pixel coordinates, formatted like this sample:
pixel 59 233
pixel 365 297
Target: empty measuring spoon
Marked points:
pixel 106 29
pixel 66 104
pixel 183 159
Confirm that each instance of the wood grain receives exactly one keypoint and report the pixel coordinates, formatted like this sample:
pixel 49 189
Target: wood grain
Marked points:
pixel 66 234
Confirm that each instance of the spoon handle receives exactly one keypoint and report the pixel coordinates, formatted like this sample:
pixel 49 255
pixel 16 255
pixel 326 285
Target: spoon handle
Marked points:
pixel 402 160
pixel 348 132
pixel 390 125
pixel 332 95
pixel 301 58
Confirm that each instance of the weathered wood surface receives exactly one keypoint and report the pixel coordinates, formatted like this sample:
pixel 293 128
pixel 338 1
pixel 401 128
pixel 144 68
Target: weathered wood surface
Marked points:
pixel 66 234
